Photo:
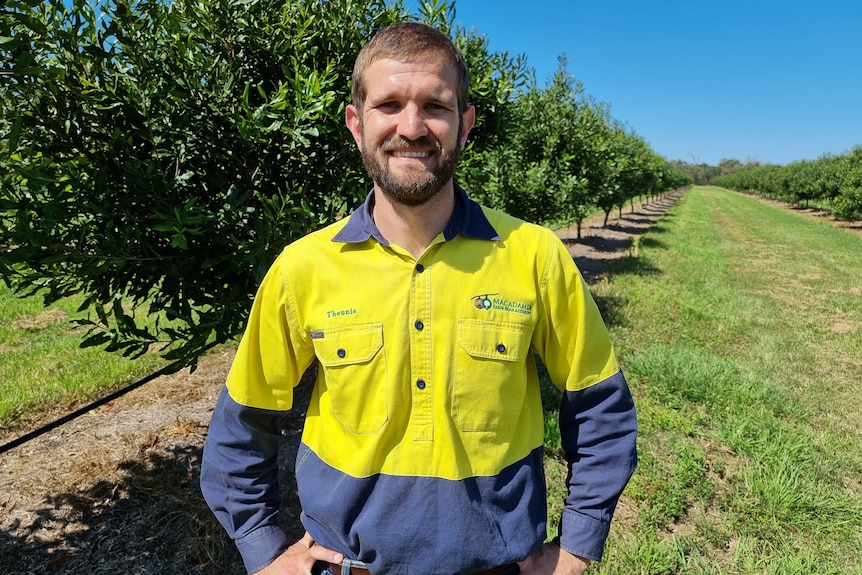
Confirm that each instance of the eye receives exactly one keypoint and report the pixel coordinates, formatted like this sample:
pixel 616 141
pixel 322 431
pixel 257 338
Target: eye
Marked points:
pixel 388 106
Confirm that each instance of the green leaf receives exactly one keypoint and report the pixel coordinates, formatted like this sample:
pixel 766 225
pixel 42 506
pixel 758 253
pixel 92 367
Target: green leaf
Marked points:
pixel 14 134
pixel 180 241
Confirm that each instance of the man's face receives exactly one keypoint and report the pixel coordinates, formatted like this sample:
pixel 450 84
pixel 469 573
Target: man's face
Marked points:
pixel 410 130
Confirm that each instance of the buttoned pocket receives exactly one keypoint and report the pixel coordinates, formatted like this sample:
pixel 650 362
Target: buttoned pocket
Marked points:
pixel 490 373
pixel 354 371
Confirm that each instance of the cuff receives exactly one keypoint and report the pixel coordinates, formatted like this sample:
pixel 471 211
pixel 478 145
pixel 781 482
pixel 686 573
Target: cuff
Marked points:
pixel 261 547
pixel 583 536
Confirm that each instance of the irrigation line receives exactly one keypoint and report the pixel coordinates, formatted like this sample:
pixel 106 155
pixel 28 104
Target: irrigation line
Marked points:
pixel 90 407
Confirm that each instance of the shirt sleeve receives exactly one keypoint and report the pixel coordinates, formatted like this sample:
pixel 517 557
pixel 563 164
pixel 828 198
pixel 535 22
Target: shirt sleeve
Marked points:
pixel 239 479
pixel 597 417
pixel 239 468
pixel 598 429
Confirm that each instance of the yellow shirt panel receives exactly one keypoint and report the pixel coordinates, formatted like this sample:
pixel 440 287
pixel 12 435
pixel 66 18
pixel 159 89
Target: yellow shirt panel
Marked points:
pixel 426 370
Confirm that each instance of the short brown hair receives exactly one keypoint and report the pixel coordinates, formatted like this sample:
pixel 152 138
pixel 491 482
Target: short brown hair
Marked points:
pixel 404 41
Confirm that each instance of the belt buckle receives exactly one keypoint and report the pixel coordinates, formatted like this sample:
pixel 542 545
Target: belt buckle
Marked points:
pixel 348 567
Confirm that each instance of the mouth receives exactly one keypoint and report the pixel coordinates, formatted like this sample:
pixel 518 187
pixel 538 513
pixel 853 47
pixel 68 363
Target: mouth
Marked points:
pixel 419 149
pixel 406 154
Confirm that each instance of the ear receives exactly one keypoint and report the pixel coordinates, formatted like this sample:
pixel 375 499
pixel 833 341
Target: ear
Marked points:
pixel 351 118
pixel 468 120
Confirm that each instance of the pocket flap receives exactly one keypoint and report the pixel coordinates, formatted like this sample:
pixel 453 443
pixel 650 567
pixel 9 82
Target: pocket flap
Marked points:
pixel 348 345
pixel 494 340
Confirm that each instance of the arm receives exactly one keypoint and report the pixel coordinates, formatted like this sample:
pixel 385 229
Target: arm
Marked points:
pixel 597 415
pixel 239 470
pixel 239 478
pixel 599 429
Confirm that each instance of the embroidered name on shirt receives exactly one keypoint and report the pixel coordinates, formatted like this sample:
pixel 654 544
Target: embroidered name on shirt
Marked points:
pixel 489 301
pixel 341 312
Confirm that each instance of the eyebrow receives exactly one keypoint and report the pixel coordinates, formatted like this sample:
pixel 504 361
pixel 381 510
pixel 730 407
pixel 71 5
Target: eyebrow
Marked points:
pixel 434 98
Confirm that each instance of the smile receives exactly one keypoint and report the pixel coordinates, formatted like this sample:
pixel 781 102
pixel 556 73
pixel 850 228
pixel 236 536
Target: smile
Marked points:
pixel 402 154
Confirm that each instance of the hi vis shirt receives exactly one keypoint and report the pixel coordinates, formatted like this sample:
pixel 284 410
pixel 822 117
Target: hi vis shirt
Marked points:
pixel 422 447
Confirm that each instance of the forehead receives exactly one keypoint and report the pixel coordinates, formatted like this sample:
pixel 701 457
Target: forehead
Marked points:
pixel 429 75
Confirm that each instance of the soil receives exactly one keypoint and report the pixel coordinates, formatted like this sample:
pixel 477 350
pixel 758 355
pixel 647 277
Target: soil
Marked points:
pixel 116 490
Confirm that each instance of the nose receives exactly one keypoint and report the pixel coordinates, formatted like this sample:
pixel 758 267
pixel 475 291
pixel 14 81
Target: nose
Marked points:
pixel 411 123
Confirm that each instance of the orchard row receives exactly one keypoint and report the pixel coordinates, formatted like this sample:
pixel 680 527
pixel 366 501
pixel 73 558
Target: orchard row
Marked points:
pixel 831 181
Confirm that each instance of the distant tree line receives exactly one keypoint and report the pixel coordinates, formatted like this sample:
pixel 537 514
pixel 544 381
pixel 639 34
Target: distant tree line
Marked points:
pixel 156 155
pixel 834 182
pixel 702 173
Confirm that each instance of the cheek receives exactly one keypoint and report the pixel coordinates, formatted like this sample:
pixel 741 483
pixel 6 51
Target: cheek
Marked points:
pixel 375 132
pixel 453 137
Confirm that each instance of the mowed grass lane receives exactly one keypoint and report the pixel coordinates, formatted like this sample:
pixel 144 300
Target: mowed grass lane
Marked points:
pixel 740 328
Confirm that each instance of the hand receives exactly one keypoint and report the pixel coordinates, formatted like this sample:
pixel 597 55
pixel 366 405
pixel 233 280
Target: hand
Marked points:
pixel 299 558
pixel 551 559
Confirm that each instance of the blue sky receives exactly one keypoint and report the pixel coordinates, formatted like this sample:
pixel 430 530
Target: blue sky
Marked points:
pixel 764 80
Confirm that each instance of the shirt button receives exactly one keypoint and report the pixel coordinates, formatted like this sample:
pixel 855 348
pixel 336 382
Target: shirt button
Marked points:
pixel 420 383
pixel 501 348
pixel 419 325
pixel 420 268
pixel 342 353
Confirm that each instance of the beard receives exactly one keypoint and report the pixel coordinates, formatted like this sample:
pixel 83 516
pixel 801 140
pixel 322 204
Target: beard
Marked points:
pixel 413 187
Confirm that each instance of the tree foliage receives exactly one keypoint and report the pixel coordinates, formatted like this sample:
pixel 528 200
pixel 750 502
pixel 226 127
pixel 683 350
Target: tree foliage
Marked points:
pixel 834 181
pixel 561 156
pixel 156 155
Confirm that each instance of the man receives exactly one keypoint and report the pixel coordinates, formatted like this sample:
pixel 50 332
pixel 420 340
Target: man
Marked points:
pixel 422 447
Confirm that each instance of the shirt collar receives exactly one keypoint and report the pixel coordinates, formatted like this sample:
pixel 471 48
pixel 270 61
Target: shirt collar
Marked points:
pixel 467 219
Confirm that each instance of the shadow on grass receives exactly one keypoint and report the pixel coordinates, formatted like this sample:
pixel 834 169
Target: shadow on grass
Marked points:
pixel 611 308
pixel 651 242
pixel 636 219
pixel 613 249
pixel 604 244
pixel 633 265
pixel 658 228
pixel 631 230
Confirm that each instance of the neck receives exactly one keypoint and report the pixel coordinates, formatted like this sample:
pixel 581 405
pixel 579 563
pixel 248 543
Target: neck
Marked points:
pixel 414 227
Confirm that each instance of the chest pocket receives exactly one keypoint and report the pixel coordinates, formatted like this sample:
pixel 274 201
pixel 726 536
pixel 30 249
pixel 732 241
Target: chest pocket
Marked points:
pixel 353 366
pixel 490 373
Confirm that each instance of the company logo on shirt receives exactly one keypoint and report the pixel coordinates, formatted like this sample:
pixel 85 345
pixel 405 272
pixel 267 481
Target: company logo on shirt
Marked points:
pixel 490 301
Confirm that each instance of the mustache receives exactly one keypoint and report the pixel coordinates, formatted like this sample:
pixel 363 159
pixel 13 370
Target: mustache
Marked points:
pixel 400 143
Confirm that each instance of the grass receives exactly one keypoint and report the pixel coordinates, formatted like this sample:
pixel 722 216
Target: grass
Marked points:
pixel 42 366
pixel 739 326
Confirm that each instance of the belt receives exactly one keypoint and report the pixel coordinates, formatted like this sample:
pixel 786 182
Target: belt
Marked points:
pixel 507 569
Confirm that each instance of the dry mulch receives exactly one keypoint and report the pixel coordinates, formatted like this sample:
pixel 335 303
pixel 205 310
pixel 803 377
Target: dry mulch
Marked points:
pixel 116 490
